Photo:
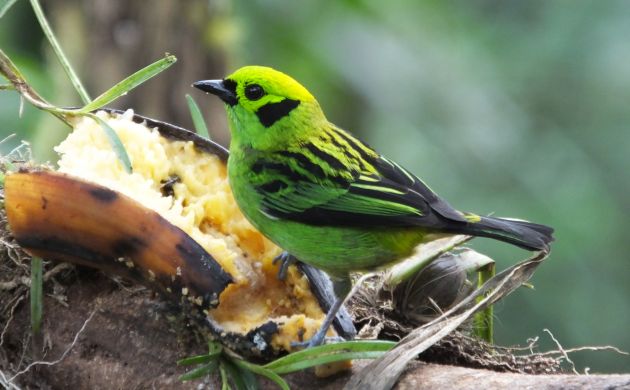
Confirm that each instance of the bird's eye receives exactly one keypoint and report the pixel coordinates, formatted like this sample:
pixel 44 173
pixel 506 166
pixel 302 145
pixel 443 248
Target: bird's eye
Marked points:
pixel 254 92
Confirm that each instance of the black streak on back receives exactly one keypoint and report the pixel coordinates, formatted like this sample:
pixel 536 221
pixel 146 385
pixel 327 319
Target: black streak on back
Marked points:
pixel 272 112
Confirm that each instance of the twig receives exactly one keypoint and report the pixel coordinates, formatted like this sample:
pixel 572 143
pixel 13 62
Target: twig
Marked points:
pixel 6 326
pixel 26 281
pixel 562 351
pixel 63 356
pixel 11 72
pixel 7 382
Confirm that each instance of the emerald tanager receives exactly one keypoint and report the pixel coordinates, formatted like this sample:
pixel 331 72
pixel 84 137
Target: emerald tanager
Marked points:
pixel 326 197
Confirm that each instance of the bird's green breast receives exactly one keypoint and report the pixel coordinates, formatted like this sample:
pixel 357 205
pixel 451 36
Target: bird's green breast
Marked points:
pixel 334 249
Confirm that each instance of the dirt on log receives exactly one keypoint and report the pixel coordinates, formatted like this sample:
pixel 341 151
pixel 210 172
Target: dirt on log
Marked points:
pixel 134 338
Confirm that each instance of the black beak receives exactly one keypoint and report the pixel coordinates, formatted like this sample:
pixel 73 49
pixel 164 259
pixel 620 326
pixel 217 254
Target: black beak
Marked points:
pixel 218 88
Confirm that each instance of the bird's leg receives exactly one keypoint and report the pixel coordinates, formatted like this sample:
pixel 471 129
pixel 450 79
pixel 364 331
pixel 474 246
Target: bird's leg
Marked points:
pixel 344 291
pixel 285 259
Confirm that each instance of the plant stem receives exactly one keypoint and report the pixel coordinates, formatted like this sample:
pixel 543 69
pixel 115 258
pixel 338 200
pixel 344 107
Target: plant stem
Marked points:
pixel 65 64
pixel 484 320
pixel 36 295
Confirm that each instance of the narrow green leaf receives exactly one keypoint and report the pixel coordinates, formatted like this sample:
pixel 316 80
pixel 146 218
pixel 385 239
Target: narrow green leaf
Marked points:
pixel 225 385
pixel 199 359
pixel 115 142
pixel 484 319
pixel 242 378
pixel 37 300
pixel 260 370
pixel 5 5
pixel 197 117
pixel 65 64
pixel 364 349
pixel 325 359
pixel 199 372
pixel 129 83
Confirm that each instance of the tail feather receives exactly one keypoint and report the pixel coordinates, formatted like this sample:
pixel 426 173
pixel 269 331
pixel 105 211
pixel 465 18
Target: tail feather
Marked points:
pixel 527 235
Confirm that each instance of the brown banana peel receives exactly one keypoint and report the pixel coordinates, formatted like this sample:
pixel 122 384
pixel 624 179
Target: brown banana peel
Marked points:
pixel 57 217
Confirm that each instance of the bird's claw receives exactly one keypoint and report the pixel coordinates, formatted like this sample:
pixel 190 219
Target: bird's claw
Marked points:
pixel 285 259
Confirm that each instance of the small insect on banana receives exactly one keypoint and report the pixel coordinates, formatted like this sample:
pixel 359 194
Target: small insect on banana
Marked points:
pixel 326 197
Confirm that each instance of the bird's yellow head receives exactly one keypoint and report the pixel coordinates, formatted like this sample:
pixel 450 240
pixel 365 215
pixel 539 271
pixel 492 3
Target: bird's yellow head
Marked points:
pixel 266 108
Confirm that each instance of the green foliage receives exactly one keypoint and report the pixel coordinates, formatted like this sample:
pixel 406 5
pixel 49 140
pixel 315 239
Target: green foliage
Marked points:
pixel 37 298
pixel 240 372
pixel 123 87
pixel 197 117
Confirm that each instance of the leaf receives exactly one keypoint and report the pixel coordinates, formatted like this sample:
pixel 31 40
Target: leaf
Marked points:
pixel 65 64
pixel 242 378
pixel 199 359
pixel 129 83
pixel 365 349
pixel 37 300
pixel 260 370
pixel 472 260
pixel 197 117
pixel 5 5
pixel 115 142
pixel 200 372
pixel 225 385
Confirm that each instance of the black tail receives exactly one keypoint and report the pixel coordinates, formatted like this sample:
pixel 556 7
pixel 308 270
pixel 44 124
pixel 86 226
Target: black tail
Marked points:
pixel 527 235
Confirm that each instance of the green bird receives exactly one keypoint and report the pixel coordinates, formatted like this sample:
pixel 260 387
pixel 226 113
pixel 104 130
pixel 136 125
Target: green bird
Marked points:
pixel 326 197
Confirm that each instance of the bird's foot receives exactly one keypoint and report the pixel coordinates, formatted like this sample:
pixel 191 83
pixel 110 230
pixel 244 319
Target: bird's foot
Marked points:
pixel 316 341
pixel 285 259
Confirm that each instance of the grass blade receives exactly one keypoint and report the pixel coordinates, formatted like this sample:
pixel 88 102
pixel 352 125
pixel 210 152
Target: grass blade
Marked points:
pixel 6 4
pixel 484 319
pixel 129 83
pixel 260 370
pixel 243 379
pixel 37 300
pixel 200 372
pixel 199 359
pixel 65 64
pixel 116 143
pixel 197 117
pixel 365 349
pixel 225 385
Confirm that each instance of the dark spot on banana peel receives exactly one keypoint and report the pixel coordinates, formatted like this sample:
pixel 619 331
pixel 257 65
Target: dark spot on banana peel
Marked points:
pixel 196 260
pixel 127 247
pixel 55 248
pixel 44 203
pixel 103 194
pixel 58 245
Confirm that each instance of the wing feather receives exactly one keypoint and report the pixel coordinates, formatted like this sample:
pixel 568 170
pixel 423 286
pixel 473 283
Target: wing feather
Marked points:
pixel 338 180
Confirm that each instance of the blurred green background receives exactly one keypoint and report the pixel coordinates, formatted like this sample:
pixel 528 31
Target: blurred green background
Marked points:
pixel 516 108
